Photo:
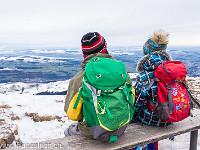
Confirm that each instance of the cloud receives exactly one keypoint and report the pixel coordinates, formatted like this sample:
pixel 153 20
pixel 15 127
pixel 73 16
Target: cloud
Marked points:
pixel 127 23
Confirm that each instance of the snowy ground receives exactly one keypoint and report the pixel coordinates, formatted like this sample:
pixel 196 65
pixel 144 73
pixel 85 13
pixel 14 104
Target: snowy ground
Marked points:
pixel 34 117
pixel 181 142
pixel 28 130
pixel 38 118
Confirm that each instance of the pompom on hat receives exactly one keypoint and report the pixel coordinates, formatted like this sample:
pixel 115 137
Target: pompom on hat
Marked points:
pixel 157 42
pixel 93 42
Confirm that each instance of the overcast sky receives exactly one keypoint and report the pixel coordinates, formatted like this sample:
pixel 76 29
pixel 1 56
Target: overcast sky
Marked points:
pixel 62 23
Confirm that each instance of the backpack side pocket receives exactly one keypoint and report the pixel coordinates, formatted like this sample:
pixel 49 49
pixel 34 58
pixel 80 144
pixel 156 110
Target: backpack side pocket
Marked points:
pixel 75 114
pixel 162 112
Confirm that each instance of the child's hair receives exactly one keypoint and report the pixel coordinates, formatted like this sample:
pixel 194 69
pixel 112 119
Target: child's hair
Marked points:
pixel 157 42
pixel 160 37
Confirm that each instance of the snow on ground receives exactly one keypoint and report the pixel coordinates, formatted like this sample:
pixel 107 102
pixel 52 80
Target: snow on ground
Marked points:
pixel 133 76
pixel 19 104
pixel 181 142
pixel 28 130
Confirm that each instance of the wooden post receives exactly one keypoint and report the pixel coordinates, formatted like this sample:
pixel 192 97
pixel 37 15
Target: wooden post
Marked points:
pixel 193 139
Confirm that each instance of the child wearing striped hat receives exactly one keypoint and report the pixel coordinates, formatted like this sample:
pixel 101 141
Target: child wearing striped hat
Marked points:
pixel 93 42
pixel 93 45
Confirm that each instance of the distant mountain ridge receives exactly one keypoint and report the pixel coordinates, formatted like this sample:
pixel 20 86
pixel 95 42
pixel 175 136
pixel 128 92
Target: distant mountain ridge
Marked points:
pixel 52 88
pixel 43 66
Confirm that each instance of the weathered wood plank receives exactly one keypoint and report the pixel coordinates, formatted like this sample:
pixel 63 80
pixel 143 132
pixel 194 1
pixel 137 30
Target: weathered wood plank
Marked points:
pixel 135 135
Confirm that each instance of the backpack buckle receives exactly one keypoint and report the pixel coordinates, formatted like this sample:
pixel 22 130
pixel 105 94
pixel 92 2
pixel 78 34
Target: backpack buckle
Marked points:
pixel 127 97
pixel 98 92
pixel 121 87
pixel 168 87
pixel 103 111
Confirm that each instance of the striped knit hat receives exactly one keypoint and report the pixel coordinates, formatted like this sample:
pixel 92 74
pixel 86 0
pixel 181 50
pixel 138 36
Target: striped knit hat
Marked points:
pixel 157 42
pixel 93 42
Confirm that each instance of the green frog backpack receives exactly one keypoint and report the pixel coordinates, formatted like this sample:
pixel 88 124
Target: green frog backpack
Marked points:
pixel 107 98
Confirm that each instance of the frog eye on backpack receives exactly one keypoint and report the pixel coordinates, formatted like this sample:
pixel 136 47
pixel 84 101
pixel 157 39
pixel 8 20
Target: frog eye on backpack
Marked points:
pixel 96 59
pixel 99 76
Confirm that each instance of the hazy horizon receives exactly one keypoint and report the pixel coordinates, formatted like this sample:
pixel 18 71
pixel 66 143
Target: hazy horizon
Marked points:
pixel 33 47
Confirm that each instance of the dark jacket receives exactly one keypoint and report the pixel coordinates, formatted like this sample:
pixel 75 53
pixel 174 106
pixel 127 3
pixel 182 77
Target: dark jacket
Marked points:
pixel 146 67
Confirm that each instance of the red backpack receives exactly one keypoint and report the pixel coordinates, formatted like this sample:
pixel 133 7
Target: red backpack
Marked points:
pixel 174 99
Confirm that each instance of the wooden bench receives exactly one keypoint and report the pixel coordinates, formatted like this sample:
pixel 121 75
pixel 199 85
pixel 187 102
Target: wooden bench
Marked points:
pixel 135 135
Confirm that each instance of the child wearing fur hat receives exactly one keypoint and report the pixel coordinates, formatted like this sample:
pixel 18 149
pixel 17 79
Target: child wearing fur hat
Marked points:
pixel 155 53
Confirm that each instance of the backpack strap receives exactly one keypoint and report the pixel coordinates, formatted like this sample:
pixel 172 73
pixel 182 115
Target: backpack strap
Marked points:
pixel 126 91
pixel 165 69
pixel 107 110
pixel 152 81
pixel 78 98
pixel 151 105
pixel 190 95
pixel 113 139
pixel 127 77
pixel 191 98
pixel 169 95
pixel 94 94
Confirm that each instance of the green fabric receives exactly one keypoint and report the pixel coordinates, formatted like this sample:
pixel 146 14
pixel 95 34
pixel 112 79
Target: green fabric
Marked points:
pixel 78 98
pixel 127 92
pixel 102 105
pixel 88 58
pixel 113 139
pixel 113 103
pixel 102 73
pixel 75 84
pixel 89 113
pixel 117 106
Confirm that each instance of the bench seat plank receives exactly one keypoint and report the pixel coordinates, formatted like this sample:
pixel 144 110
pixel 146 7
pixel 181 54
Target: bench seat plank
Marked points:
pixel 135 135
